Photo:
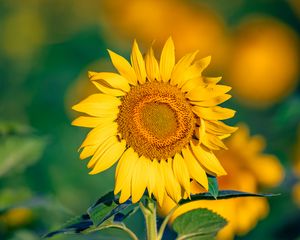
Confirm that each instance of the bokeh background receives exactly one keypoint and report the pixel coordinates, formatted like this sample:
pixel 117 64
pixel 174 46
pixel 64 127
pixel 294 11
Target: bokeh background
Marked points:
pixel 46 48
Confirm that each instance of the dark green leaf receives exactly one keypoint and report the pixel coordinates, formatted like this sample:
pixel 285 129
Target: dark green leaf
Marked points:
pixel 224 194
pixel 101 212
pixel 75 225
pixel 213 187
pixel 198 224
pixel 105 213
pixel 105 208
pixel 119 217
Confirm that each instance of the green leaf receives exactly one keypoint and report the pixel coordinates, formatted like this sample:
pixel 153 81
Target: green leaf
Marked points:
pixel 105 213
pixel 106 207
pixel 74 225
pixel 101 212
pixel 18 152
pixel 213 187
pixel 198 224
pixel 225 194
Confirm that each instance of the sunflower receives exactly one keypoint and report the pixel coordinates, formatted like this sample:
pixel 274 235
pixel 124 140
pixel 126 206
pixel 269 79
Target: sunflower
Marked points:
pixel 243 157
pixel 160 122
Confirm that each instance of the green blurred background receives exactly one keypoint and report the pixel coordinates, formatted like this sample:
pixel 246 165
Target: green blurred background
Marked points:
pixel 46 48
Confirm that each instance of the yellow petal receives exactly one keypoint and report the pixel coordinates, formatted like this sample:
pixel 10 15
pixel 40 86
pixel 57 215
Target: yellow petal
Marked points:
pixel 212 142
pixel 207 160
pixel 138 63
pixel 139 179
pixel 212 102
pixel 195 169
pixel 181 66
pixel 109 90
pixel 224 136
pixel 181 172
pixel 201 93
pixel 192 83
pixel 152 177
pixel 199 66
pixel 165 208
pixel 213 113
pixel 123 67
pixel 200 132
pixel 99 134
pixel 99 105
pixel 92 122
pixel 111 80
pixel 172 185
pixel 195 70
pixel 88 151
pixel 109 157
pixel 219 128
pixel 102 147
pixel 152 66
pixel 124 169
pixel 212 80
pixel 167 60
pixel 159 189
pixel 126 190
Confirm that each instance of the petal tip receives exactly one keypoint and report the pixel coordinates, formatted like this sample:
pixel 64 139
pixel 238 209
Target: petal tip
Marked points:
pixel 91 74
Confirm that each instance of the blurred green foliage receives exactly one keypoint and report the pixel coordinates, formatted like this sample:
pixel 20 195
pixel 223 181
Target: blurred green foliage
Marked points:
pixel 44 47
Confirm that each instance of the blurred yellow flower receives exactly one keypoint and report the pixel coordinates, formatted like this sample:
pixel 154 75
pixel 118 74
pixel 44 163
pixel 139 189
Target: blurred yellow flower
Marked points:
pixel 265 61
pixel 159 120
pixel 16 217
pixel 249 170
pixel 192 25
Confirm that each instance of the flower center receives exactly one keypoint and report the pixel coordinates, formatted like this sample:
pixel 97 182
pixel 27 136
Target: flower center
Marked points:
pixel 156 120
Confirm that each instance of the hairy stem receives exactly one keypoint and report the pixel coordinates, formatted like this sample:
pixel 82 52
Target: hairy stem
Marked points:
pixel 149 212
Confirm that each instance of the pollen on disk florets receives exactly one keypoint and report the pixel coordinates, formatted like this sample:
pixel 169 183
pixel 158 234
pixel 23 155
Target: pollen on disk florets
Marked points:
pixel 156 120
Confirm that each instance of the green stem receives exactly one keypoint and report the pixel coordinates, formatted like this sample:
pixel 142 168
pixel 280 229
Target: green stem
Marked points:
pixel 149 212
pixel 130 233
pixel 165 222
pixel 116 225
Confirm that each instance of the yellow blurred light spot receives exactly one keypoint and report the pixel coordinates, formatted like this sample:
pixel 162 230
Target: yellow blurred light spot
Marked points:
pixel 17 217
pixel 265 61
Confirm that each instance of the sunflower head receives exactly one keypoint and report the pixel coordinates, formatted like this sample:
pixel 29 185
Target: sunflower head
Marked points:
pixel 159 120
